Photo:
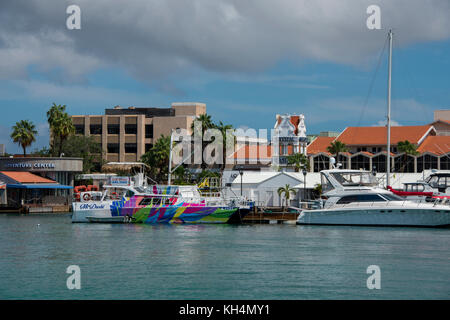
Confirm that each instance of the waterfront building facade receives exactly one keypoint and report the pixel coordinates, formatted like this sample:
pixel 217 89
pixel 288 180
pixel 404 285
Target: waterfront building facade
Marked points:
pixel 125 134
pixel 367 149
pixel 289 138
pixel 60 170
pixel 38 184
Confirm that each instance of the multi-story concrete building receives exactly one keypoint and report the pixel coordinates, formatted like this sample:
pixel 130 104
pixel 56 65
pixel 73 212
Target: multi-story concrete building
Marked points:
pixel 127 133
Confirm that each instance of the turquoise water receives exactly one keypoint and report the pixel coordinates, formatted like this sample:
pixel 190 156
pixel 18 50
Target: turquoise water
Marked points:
pixel 219 261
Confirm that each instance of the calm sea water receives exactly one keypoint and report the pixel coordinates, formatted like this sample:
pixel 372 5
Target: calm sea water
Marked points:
pixel 218 261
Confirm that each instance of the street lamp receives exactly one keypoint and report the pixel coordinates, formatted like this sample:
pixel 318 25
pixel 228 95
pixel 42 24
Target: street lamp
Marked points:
pixel 241 173
pixel 304 182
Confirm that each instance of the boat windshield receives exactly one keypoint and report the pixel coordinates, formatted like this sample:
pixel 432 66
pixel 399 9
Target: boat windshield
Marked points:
pixel 439 181
pixel 117 194
pixel 392 197
pixel 368 198
pixel 355 179
pixel 414 187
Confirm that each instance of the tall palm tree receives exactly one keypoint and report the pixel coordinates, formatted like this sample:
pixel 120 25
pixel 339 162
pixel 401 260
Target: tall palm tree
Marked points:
pixel 223 128
pixel 286 190
pixel 407 148
pixel 299 160
pixel 337 147
pixel 61 126
pixel 157 158
pixel 24 133
pixel 54 113
pixel 206 123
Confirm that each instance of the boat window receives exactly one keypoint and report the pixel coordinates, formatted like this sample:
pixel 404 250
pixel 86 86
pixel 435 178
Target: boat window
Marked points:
pixel 442 182
pixel 361 198
pixel 439 181
pixel 145 202
pixel 392 197
pixel 156 201
pixel 326 185
pixel 414 187
pixel 432 181
pixel 354 179
pixel 114 194
pixel 129 194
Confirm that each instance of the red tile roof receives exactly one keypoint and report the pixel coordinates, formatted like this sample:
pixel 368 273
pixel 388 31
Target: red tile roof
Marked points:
pixel 437 145
pixel 319 145
pixel 378 135
pixel 26 177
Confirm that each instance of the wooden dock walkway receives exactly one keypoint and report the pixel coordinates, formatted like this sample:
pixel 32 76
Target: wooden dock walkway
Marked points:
pixel 274 216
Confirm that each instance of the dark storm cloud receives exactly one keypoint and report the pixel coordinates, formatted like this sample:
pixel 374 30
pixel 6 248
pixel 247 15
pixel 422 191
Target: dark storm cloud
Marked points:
pixel 159 39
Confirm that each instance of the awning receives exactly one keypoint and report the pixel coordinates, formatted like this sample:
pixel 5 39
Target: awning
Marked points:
pixel 38 186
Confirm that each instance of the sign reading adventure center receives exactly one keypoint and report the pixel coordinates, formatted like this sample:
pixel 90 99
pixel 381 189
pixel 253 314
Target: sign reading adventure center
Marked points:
pixel 28 165
pixel 41 164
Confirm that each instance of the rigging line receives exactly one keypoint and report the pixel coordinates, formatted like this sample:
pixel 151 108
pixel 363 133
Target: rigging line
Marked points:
pixel 372 82
pixel 411 84
pixel 446 153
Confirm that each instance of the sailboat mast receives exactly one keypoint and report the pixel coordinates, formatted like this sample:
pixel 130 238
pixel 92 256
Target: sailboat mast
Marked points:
pixel 388 151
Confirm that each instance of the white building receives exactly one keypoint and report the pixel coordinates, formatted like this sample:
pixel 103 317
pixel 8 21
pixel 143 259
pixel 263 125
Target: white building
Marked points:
pixel 262 187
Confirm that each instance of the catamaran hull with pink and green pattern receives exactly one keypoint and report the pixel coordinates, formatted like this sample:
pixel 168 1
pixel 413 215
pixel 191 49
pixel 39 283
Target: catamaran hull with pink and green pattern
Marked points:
pixel 172 213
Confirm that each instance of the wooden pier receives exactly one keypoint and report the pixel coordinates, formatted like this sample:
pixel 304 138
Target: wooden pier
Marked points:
pixel 273 215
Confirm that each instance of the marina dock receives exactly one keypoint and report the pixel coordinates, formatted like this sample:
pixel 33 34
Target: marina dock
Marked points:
pixel 274 215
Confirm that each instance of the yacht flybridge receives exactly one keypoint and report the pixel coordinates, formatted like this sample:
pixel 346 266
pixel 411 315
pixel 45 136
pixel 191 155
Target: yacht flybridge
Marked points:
pixel 353 198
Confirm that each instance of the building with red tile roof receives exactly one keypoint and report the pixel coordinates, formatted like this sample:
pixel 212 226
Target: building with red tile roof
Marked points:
pixel 320 145
pixel 25 178
pixel 442 127
pixel 377 136
pixel 437 145
pixel 367 149
pixel 366 146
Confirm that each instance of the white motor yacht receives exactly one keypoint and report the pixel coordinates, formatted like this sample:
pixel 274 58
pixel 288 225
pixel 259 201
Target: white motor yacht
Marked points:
pixel 354 198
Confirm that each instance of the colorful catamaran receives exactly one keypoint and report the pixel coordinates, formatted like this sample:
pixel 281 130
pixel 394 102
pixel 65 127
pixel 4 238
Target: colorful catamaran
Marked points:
pixel 159 204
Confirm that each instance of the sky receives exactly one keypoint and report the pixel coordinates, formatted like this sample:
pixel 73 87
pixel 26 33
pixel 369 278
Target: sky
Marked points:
pixel 247 60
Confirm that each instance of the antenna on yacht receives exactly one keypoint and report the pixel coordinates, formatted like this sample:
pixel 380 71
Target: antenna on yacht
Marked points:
pixel 388 151
pixel 332 162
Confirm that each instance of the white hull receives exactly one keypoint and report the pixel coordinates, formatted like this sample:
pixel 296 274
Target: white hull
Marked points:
pixel 378 216
pixel 90 209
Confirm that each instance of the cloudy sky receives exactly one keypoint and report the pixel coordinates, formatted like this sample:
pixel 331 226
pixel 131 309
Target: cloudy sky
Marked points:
pixel 247 60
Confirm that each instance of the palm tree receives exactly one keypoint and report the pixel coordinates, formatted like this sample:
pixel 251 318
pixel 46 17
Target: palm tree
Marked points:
pixel 206 123
pixel 223 128
pixel 337 147
pixel 299 160
pixel 60 124
pixel 54 112
pixel 24 133
pixel 157 158
pixel 286 190
pixel 407 148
